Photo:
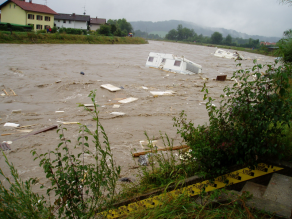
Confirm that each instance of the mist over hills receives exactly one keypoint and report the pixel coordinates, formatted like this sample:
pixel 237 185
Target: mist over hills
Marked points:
pixel 149 26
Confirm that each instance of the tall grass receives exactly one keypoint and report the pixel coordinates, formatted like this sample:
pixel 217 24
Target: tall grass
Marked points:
pixel 19 201
pixel 57 38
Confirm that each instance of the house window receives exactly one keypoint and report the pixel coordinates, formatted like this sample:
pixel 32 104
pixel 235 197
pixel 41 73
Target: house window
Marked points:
pixel 47 18
pixel 39 27
pixel 39 17
pixel 10 6
pixel 14 6
pixel 58 20
pixel 69 22
pixel 150 59
pixel 30 16
pixel 177 63
pixel 64 21
pixel 163 60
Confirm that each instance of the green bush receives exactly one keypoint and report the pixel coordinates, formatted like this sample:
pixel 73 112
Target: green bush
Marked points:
pixel 248 124
pixel 19 201
pixel 71 31
pixel 104 30
pixel 81 189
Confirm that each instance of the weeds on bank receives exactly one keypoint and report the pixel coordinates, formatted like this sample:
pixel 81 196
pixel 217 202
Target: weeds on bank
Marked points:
pixel 19 201
pixel 57 38
pixel 81 189
pixel 164 168
pixel 218 204
pixel 247 125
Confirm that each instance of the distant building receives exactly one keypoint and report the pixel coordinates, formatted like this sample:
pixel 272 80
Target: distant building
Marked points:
pixel 95 23
pixel 27 13
pixel 267 43
pixel 72 21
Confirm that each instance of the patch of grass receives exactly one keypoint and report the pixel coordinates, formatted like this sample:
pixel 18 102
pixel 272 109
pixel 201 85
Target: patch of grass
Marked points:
pixel 184 206
pixel 165 168
pixel 57 38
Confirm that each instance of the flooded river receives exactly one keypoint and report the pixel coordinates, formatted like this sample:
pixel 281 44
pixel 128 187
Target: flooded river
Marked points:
pixel 46 79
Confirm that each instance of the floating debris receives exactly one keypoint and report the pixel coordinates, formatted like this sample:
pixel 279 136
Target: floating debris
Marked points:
pixel 172 63
pixel 128 100
pixel 110 87
pixel 162 93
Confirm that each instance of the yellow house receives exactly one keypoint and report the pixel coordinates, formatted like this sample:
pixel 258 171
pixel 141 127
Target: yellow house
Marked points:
pixel 27 13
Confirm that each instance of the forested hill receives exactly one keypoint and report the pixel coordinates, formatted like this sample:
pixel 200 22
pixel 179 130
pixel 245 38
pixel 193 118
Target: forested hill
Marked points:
pixel 165 26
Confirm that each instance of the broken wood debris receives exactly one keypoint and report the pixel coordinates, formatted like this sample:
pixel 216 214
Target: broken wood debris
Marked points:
pixel 9 94
pixel 69 123
pixel 4 146
pixel 221 77
pixel 26 126
pixel 164 149
pixel 7 134
pixel 39 131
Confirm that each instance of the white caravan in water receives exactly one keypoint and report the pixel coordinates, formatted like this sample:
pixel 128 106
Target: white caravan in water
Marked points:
pixel 226 54
pixel 172 63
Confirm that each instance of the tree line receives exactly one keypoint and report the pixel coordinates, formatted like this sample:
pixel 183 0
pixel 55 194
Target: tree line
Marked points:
pixel 189 35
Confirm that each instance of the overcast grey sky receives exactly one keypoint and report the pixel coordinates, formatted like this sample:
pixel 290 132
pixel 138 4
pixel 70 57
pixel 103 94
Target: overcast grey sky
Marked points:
pixel 256 17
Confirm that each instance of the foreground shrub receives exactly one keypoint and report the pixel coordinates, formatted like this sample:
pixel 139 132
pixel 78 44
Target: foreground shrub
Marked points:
pixel 248 124
pixel 81 189
pixel 19 201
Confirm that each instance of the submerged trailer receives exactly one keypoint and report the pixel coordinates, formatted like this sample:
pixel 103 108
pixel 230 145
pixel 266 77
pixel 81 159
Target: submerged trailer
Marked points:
pixel 229 55
pixel 172 63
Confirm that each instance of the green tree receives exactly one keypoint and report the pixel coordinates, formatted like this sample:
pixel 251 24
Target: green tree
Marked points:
pixel 122 24
pixel 172 35
pixel 216 38
pixel 228 40
pixel 104 30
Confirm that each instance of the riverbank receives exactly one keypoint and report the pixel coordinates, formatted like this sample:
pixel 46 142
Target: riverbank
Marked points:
pixel 56 38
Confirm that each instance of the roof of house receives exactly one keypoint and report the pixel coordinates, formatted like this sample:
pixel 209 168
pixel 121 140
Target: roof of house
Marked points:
pixel 267 43
pixel 97 21
pixel 28 6
pixel 72 17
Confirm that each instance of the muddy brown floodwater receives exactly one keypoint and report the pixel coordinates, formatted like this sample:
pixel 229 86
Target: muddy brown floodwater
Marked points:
pixel 32 72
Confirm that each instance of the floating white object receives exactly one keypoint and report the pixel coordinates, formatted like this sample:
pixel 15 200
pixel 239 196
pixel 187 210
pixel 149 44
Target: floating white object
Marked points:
pixel 69 123
pixel 88 105
pixel 229 55
pixel 172 63
pixel 59 111
pixel 116 106
pixel 11 124
pixel 110 87
pixel 118 113
pixel 161 93
pixel 145 88
pixel 25 130
pixel 2 94
pixel 128 100
pixel 16 111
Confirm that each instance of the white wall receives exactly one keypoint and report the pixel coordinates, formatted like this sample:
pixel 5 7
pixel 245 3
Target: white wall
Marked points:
pixel 72 24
